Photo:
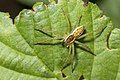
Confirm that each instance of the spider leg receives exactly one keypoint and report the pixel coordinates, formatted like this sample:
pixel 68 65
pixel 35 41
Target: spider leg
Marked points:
pixel 44 33
pixel 49 42
pixel 74 57
pixel 57 38
pixel 68 19
pixel 85 47
pixel 67 59
pixel 70 49
pixel 97 33
pixel 84 35
pixel 78 21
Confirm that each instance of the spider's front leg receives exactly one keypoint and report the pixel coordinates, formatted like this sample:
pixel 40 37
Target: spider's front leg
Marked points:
pixel 50 40
pixel 74 57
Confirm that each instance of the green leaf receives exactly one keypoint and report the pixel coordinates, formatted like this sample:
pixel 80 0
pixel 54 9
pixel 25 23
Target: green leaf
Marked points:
pixel 21 57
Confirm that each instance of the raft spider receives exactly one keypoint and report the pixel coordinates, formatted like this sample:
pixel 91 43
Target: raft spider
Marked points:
pixel 70 40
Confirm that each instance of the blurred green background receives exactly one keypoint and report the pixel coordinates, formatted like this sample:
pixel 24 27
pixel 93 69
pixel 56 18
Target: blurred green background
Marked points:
pixel 110 7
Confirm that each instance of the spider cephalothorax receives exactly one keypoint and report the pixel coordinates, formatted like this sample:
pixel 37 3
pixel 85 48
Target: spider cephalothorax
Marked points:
pixel 74 35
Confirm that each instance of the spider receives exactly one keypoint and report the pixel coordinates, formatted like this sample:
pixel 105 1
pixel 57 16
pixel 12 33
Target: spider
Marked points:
pixel 69 41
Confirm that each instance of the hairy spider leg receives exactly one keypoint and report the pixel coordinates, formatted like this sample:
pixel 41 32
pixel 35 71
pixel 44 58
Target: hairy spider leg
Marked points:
pixel 55 40
pixel 44 33
pixel 74 58
pixel 70 51
pixel 78 21
pixel 85 47
pixel 68 20
pixel 49 35
pixel 100 30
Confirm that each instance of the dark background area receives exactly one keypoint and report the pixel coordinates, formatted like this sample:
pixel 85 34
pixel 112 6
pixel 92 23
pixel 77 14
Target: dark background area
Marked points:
pixel 12 6
pixel 110 7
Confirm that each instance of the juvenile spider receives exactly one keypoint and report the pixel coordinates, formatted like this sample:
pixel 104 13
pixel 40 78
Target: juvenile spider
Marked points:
pixel 74 35
pixel 70 40
pixel 69 43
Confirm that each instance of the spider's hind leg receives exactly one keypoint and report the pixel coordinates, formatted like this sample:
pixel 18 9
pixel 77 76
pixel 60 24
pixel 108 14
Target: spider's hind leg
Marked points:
pixel 74 57
pixel 84 47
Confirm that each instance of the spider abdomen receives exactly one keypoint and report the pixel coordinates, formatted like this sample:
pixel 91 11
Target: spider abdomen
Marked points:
pixel 78 31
